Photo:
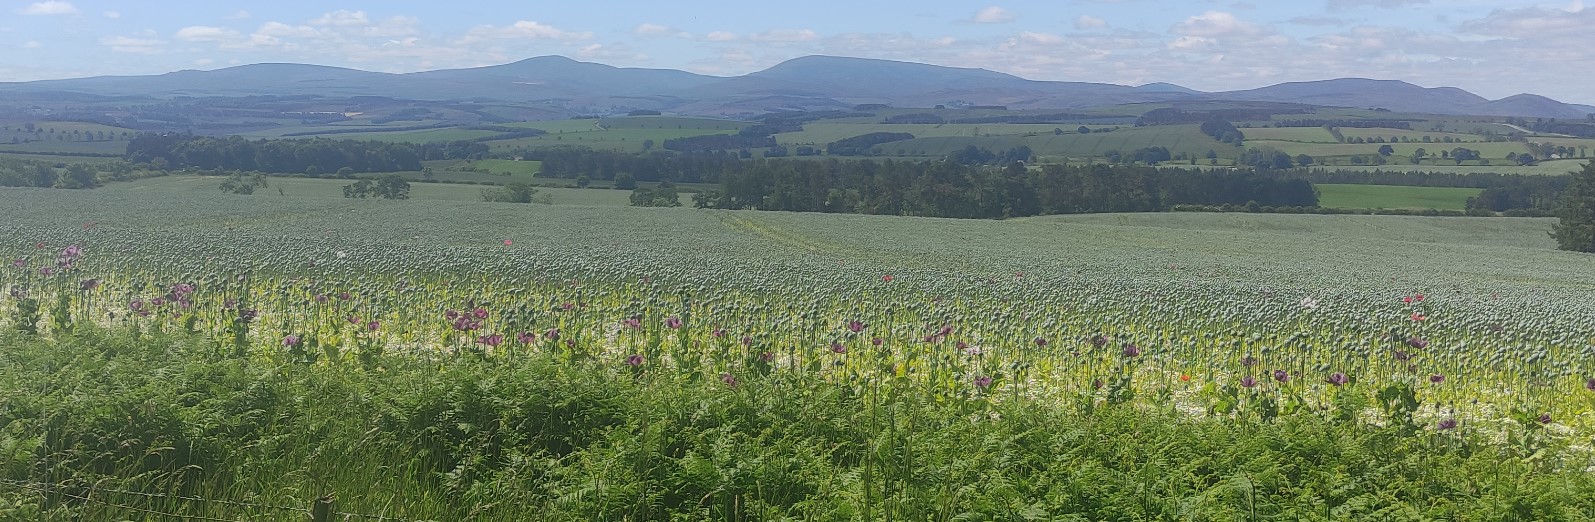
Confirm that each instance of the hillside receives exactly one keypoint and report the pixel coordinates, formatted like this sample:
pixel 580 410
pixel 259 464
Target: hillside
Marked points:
pixel 811 82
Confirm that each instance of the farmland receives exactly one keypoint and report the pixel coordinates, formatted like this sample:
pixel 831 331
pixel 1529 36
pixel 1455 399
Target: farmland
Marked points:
pixel 442 359
pixel 1379 196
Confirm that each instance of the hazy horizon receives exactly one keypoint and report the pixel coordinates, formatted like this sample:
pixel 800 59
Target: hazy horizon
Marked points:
pixel 1494 49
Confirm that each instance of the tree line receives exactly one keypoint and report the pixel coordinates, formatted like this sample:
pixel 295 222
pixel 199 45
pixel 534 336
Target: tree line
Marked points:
pixel 309 156
pixel 951 189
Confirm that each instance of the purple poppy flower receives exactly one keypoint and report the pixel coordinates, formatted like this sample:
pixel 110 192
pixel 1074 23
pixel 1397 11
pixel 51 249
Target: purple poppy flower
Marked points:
pixel 479 313
pixel 856 326
pixel 552 334
pixel 290 341
pixel 321 298
pixel 632 323
pixel 1281 376
pixel 1131 350
pixel 1248 361
pixel 373 325
pixel 344 296
pixel 159 301
pixel 1042 342
pixel 136 305
pixel 1436 378
pixel 718 332
pixel 983 382
pixel 88 284
pixel 1248 382
pixel 1338 379
pixel 766 357
pixel 673 323
pixel 47 271
pixel 728 379
pixel 747 340
pixel 634 360
pixel 1446 424
pixel 1590 384
pixel 1545 418
pixel 838 348
pixel 19 263
pixel 451 315
pixel 1417 342
pixel 491 340
pixel 1099 341
pixel 877 341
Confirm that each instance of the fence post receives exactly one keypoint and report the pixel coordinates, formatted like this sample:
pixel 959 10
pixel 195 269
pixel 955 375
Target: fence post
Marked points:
pixel 321 509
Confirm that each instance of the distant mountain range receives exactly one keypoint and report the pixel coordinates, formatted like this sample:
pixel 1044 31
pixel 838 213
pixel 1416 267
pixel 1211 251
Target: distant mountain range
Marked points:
pixel 811 82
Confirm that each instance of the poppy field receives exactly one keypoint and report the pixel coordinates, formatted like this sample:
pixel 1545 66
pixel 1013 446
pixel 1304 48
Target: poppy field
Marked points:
pixel 442 360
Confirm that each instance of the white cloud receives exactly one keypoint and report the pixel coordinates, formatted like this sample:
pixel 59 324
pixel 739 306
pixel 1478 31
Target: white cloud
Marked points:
pixel 1216 24
pixel 1352 4
pixel 111 14
pixel 1041 38
pixel 128 44
pixel 241 15
pixel 993 15
pixel 786 36
pixel 659 30
pixel 51 7
pixel 1089 22
pixel 201 33
pixel 721 36
pixel 342 18
pixel 204 62
pixel 32 44
pixel 522 30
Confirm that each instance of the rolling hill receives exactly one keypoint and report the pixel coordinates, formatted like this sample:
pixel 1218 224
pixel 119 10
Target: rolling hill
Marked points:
pixel 811 82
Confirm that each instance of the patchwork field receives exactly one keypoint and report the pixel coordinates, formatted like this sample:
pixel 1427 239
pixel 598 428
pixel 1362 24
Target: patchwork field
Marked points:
pixel 1384 196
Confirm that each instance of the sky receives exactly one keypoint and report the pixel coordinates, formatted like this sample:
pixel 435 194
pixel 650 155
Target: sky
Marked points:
pixel 1493 48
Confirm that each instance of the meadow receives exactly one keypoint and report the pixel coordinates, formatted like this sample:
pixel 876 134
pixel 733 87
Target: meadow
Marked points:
pixel 1384 196
pixel 942 140
pixel 238 357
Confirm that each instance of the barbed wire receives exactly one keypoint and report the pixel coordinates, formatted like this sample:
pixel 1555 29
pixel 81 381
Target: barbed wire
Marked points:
pixel 63 489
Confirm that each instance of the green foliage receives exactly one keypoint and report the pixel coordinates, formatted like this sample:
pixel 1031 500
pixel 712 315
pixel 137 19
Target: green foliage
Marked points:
pixel 420 419
pixel 1576 230
pixel 538 437
pixel 625 181
pixel 664 195
pixel 238 183
pixel 391 186
pixel 510 193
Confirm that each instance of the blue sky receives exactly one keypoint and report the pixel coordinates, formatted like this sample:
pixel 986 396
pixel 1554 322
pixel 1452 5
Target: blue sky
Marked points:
pixel 1493 48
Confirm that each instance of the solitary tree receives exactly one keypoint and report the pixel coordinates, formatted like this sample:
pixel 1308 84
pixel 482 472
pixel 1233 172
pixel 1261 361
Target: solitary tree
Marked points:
pixel 1576 231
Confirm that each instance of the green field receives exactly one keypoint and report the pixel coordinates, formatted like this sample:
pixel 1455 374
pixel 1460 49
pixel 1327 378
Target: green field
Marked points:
pixel 299 188
pixel 417 136
pixel 52 158
pixel 618 140
pixel 1492 151
pixel 217 356
pixel 1386 196
pixel 823 133
pixel 1543 168
pixel 1055 147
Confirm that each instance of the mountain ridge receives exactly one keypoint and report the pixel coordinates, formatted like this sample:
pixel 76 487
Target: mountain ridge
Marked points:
pixel 815 81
